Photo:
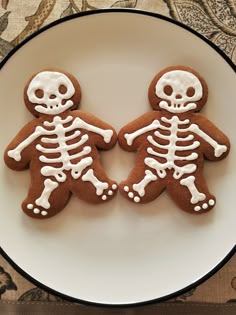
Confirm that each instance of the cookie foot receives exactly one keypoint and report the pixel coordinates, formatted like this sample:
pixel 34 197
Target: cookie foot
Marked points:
pixel 132 194
pixel 205 205
pixel 110 191
pixel 36 210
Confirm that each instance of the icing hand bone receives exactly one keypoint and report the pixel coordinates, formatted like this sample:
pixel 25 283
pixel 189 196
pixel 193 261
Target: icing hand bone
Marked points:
pixel 218 148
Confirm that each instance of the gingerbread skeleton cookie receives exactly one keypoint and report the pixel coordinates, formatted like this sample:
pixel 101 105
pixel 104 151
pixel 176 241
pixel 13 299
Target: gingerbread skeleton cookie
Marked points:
pixel 172 142
pixel 60 146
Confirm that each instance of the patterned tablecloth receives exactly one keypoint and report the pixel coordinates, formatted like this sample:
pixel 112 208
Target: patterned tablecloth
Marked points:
pixel 215 19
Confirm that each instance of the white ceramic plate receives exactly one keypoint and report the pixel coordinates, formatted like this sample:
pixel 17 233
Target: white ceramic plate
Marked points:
pixel 118 253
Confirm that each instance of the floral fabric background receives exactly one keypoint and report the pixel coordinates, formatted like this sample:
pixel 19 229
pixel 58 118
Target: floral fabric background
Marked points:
pixel 215 19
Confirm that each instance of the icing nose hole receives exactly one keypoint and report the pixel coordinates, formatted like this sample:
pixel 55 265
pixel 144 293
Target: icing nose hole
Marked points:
pixel 178 96
pixel 52 96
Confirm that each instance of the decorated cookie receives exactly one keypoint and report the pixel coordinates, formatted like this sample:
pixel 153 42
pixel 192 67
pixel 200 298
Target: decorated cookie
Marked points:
pixel 172 142
pixel 60 146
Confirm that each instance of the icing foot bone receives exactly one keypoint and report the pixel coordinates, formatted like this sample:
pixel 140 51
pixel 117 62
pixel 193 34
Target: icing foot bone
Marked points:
pixel 36 210
pixel 100 187
pixel 200 202
pixel 138 190
pixel 196 196
pixel 205 206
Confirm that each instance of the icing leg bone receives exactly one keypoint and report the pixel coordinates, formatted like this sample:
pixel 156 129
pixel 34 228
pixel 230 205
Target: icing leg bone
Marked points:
pixel 219 149
pixel 140 187
pixel 90 177
pixel 196 196
pixel 131 136
pixel 49 186
pixel 106 134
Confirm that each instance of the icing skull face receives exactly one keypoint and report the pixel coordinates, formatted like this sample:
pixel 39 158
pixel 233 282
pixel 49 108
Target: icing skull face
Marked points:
pixel 179 91
pixel 51 92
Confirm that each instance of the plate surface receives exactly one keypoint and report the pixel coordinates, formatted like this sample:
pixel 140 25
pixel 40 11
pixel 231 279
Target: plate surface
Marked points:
pixel 118 253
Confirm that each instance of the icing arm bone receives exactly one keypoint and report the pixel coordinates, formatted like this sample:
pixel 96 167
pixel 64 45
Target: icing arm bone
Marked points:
pixel 218 148
pixel 130 137
pixel 106 134
pixel 16 153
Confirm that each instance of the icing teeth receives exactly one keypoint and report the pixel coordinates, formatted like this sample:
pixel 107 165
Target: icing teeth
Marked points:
pixel 36 211
pixel 197 208
pixel 104 197
pixel 44 213
pixel 30 206
pixel 114 186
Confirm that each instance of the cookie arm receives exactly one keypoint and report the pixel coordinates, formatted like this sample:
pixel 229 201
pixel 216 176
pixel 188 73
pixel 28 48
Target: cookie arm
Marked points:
pixel 215 143
pixel 104 135
pixel 17 154
pixel 134 133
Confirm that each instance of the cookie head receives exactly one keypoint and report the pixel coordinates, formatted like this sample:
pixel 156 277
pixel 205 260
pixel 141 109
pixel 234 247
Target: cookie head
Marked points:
pixel 51 92
pixel 178 90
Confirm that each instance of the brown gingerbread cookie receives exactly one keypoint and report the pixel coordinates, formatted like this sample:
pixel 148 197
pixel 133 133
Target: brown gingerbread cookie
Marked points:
pixel 60 146
pixel 172 142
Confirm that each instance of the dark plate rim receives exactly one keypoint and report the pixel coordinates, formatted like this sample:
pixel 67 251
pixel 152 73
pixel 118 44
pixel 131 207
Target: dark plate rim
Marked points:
pixel 133 304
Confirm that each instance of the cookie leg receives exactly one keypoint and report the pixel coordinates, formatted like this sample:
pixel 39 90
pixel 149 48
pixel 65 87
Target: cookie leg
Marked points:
pixel 142 185
pixel 94 185
pixel 191 194
pixel 45 198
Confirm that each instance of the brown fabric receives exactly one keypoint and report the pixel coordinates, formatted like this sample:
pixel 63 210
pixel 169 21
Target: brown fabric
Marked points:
pixel 23 308
pixel 214 19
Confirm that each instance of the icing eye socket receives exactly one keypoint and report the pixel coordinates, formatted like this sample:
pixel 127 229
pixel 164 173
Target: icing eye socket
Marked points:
pixel 39 93
pixel 190 91
pixel 62 89
pixel 168 90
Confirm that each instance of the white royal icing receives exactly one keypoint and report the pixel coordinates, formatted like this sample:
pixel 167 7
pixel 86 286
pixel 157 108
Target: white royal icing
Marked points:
pixel 196 196
pixel 173 146
pixel 218 148
pixel 140 187
pixel 205 205
pixel 179 81
pixel 130 137
pixel 51 102
pixel 43 200
pixel 90 177
pixel 211 202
